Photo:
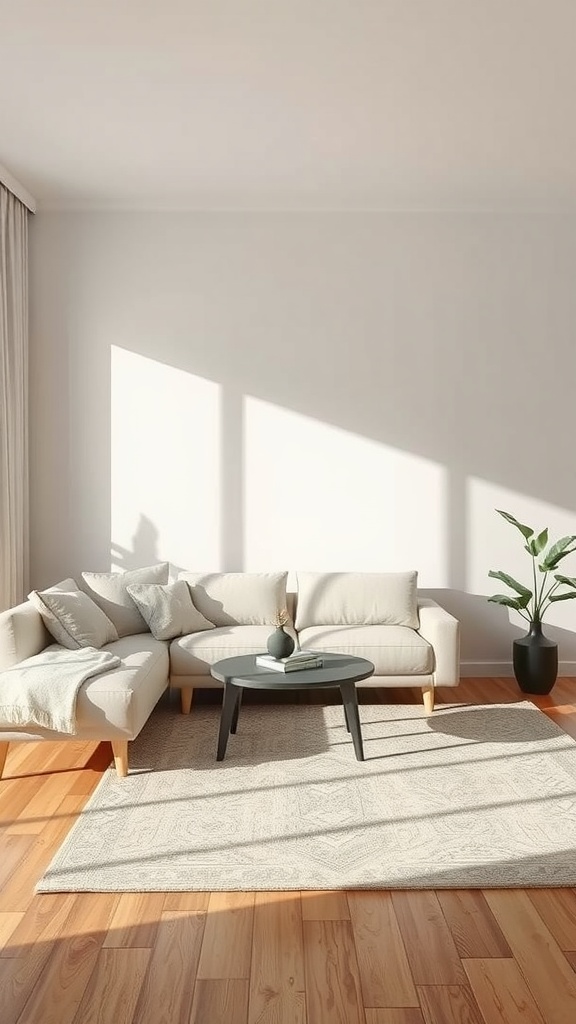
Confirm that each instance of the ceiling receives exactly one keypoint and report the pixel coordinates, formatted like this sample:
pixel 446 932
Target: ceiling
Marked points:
pixel 296 104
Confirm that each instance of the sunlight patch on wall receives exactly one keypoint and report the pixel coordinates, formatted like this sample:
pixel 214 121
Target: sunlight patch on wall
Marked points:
pixel 495 544
pixel 321 498
pixel 165 458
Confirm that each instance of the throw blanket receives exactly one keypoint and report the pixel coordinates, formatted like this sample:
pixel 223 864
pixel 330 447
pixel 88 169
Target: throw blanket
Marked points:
pixel 42 690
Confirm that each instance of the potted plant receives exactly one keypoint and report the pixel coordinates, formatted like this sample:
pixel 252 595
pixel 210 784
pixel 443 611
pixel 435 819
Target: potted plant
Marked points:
pixel 535 657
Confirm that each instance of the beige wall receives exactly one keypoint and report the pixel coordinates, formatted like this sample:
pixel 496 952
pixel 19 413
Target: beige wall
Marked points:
pixel 331 390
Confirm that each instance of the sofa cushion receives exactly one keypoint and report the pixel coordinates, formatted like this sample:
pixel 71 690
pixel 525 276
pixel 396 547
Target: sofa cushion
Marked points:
pixel 73 619
pixel 193 655
pixel 121 700
pixel 238 598
pixel 393 650
pixel 168 609
pixel 118 703
pixel 109 591
pixel 357 599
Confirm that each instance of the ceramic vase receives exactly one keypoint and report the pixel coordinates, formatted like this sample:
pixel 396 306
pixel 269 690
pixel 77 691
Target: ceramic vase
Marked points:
pixel 535 660
pixel 280 644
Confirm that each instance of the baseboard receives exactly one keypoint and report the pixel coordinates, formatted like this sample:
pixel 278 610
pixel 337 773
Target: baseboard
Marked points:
pixel 504 668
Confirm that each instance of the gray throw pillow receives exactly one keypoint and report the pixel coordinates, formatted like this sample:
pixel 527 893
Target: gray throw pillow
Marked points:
pixel 73 619
pixel 168 610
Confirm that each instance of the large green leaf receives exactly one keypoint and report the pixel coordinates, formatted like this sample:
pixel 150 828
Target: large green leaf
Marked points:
pixel 524 530
pixel 538 544
pixel 570 581
pixel 511 602
pixel 557 552
pixel 563 597
pixel 510 582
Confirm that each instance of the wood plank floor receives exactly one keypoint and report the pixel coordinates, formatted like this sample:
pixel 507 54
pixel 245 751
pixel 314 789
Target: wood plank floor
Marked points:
pixel 400 957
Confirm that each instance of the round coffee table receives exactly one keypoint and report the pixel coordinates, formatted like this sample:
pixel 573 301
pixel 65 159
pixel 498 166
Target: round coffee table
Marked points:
pixel 339 670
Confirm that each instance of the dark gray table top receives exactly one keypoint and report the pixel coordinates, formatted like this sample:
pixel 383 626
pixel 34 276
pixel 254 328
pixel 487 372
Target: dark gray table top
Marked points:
pixel 337 669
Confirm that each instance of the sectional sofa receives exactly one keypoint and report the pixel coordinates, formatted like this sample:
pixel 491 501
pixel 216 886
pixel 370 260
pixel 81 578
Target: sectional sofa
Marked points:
pixel 168 632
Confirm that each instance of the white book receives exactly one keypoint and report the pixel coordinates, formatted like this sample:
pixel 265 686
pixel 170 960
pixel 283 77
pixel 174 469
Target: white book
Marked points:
pixel 301 655
pixel 291 664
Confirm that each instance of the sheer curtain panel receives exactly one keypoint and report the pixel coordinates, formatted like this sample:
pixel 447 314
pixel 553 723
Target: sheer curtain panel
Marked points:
pixel 13 399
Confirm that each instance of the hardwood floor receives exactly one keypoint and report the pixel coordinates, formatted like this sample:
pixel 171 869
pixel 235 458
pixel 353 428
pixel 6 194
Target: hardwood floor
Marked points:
pixel 399 957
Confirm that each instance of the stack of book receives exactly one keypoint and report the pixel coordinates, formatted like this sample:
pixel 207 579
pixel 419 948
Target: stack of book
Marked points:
pixel 298 660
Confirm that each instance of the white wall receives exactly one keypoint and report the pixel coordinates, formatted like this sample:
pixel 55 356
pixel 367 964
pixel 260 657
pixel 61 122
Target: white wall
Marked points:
pixel 323 391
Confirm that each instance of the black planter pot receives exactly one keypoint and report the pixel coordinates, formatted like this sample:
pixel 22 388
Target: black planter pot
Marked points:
pixel 535 660
pixel 280 644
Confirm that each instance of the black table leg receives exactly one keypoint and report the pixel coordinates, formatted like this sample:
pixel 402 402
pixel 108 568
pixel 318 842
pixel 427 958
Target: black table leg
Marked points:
pixel 234 725
pixel 350 702
pixel 229 704
pixel 346 716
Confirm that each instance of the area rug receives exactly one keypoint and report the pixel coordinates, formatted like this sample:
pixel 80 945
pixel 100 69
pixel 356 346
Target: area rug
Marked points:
pixel 472 796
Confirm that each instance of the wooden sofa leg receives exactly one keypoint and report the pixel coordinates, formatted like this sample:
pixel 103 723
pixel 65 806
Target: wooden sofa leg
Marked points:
pixel 428 698
pixel 186 699
pixel 3 753
pixel 120 751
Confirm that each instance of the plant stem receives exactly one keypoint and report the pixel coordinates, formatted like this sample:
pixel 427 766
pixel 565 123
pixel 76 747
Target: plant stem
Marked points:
pixel 540 598
pixel 536 602
pixel 551 591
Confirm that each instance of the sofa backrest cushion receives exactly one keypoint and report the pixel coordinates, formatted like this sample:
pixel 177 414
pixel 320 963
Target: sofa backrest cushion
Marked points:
pixel 108 590
pixel 357 599
pixel 22 634
pixel 168 609
pixel 238 598
pixel 73 619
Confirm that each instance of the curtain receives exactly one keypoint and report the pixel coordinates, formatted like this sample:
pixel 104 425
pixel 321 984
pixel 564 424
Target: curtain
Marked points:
pixel 13 399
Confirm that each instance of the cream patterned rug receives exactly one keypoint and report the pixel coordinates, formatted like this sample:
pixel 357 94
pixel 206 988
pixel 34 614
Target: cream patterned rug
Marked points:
pixel 472 796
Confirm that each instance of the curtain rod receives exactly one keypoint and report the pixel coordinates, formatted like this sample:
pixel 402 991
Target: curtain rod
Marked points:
pixel 17 189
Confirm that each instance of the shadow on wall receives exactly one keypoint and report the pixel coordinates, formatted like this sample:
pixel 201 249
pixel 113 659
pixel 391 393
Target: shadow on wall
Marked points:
pixel 408 343
pixel 144 549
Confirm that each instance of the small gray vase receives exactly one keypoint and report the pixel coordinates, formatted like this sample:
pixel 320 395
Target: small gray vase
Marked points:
pixel 280 644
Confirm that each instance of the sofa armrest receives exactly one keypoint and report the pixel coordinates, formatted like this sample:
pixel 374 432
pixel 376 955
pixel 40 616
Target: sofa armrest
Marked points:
pixel 22 634
pixel 442 631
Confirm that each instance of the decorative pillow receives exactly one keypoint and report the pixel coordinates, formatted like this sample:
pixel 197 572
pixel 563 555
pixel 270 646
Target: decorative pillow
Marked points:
pixel 73 619
pixel 357 599
pixel 109 591
pixel 168 610
pixel 238 598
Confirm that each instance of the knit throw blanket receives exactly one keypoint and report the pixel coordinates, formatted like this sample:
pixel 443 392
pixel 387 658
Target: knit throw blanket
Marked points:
pixel 43 690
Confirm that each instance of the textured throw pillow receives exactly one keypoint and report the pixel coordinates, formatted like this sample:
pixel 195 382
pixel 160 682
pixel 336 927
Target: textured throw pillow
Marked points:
pixel 109 591
pixel 238 598
pixel 73 619
pixel 357 599
pixel 168 610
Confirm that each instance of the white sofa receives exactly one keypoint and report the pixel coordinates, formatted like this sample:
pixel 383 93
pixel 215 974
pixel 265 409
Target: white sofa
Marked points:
pixel 113 706
pixel 411 640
